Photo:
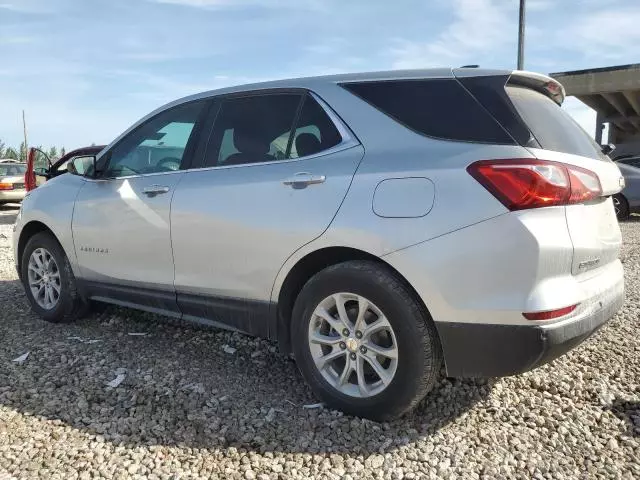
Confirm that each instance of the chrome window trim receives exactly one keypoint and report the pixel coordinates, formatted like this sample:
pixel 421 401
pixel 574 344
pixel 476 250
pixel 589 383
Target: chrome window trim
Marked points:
pixel 138 175
pixel 338 148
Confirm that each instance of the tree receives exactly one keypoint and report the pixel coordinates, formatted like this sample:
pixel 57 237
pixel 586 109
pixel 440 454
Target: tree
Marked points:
pixel 53 153
pixel 11 153
pixel 62 152
pixel 22 155
pixel 2 145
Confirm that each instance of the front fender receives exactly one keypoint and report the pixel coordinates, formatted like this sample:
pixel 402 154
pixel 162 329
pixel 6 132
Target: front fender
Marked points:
pixel 51 205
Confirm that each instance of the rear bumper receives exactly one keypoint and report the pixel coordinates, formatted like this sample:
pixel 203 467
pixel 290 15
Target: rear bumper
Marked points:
pixel 12 195
pixel 497 350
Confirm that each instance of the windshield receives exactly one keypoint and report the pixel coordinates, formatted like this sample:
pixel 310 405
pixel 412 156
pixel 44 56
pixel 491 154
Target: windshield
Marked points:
pixel 12 170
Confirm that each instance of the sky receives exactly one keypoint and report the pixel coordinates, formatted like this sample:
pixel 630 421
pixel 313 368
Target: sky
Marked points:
pixel 84 70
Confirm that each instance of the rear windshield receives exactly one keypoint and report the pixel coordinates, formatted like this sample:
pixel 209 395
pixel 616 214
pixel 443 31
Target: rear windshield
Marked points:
pixel 553 128
pixel 440 108
pixel 11 170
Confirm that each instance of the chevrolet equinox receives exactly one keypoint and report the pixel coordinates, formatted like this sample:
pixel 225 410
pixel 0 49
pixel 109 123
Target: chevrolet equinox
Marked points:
pixel 378 226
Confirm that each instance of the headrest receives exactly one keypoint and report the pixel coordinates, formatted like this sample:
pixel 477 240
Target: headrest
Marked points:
pixel 307 144
pixel 246 141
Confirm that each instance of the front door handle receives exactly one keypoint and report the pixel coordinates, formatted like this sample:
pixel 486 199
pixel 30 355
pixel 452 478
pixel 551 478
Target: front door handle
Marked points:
pixel 153 190
pixel 302 179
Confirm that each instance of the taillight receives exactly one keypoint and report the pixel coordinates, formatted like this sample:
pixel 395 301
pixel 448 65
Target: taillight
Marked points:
pixel 524 183
pixel 6 186
pixel 550 314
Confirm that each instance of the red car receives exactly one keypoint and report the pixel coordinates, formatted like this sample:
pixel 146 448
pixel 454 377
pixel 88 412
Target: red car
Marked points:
pixel 59 167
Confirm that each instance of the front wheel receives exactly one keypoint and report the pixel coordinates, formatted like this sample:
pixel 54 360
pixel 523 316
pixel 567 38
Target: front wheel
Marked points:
pixel 363 342
pixel 49 282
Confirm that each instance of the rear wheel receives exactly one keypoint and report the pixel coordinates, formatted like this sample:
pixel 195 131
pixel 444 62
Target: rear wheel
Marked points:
pixel 621 207
pixel 363 342
pixel 49 282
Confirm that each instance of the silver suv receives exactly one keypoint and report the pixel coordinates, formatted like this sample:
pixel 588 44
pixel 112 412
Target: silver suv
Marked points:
pixel 378 226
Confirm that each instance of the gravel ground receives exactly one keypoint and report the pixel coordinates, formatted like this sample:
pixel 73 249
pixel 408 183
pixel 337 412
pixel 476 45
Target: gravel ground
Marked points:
pixel 209 404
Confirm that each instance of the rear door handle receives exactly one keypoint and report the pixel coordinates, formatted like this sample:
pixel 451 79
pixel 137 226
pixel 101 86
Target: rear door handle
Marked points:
pixel 153 190
pixel 302 179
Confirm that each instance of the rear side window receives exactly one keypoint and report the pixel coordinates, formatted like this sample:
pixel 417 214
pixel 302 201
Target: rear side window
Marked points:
pixel 247 129
pixel 440 108
pixel 270 127
pixel 315 132
pixel 553 128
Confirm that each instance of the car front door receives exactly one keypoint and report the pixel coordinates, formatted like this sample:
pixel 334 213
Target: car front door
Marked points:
pixel 121 221
pixel 277 168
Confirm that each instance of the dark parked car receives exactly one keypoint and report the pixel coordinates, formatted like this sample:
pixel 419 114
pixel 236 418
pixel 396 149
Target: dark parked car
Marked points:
pixel 628 200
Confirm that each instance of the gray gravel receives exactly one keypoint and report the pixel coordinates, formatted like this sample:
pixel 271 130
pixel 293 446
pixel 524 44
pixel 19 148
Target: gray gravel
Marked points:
pixel 190 406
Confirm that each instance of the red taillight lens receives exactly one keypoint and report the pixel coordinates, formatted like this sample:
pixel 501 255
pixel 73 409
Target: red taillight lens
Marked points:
pixel 6 186
pixel 550 314
pixel 524 183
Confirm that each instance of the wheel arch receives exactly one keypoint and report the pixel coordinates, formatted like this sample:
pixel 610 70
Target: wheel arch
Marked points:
pixel 305 268
pixel 28 231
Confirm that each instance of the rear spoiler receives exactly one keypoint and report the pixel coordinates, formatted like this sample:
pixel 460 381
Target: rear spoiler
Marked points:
pixel 541 83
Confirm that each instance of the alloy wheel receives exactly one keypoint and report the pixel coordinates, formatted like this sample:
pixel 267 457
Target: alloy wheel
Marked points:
pixel 353 345
pixel 44 278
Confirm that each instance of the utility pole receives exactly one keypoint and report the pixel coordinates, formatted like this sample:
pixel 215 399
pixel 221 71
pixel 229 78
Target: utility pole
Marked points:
pixel 521 36
pixel 26 145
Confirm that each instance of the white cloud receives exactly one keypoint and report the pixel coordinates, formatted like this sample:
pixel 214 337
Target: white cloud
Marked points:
pixel 479 26
pixel 316 4
pixel 610 33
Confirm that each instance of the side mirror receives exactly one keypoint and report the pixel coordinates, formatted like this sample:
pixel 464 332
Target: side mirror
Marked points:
pixel 83 166
pixel 41 172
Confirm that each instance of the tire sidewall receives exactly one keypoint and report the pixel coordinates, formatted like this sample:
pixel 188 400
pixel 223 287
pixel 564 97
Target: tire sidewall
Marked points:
pixel 67 283
pixel 624 207
pixel 412 364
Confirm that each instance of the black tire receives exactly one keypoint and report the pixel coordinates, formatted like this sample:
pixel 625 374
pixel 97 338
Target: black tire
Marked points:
pixel 71 305
pixel 621 206
pixel 419 351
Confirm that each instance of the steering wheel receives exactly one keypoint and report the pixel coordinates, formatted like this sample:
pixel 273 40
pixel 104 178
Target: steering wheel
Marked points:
pixel 169 164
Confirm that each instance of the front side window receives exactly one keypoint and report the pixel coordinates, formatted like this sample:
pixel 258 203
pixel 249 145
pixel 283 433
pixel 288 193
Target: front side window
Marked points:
pixel 272 127
pixel 158 145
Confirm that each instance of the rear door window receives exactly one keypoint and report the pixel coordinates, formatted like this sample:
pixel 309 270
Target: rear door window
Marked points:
pixel 270 127
pixel 440 108
pixel 246 128
pixel 553 128
pixel 315 132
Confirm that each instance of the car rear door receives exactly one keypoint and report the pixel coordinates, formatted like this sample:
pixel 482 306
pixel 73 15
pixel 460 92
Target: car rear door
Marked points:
pixel 268 185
